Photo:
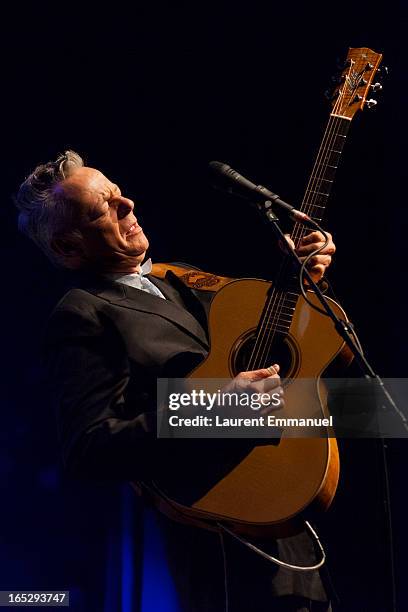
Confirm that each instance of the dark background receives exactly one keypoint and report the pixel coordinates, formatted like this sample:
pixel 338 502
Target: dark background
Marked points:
pixel 150 95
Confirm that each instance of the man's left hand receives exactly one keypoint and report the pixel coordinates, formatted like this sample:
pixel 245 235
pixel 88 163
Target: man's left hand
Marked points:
pixel 318 263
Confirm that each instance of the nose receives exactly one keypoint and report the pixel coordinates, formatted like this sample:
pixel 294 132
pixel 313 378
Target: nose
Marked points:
pixel 124 206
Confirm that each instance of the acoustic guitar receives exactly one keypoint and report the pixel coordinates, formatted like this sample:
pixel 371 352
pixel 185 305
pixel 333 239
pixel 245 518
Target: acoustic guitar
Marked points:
pixel 273 485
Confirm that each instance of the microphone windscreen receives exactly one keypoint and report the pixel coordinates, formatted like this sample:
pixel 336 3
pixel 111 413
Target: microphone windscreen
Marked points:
pixel 219 167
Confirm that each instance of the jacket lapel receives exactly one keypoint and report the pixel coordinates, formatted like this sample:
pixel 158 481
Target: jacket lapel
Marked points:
pixel 171 309
pixel 186 297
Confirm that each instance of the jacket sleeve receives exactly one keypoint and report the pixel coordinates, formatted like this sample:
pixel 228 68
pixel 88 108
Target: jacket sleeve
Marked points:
pixel 89 372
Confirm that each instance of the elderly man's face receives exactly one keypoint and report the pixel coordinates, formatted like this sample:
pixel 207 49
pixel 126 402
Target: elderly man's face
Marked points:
pixel 113 241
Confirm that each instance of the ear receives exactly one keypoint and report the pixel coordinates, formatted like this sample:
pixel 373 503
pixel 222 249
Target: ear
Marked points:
pixel 69 247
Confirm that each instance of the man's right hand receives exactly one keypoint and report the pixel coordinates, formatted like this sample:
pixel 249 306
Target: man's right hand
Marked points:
pixel 265 380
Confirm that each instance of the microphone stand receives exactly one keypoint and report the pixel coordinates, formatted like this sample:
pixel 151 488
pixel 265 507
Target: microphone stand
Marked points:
pixel 343 329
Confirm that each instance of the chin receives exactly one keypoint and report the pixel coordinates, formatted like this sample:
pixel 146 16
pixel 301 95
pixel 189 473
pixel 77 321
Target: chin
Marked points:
pixel 139 245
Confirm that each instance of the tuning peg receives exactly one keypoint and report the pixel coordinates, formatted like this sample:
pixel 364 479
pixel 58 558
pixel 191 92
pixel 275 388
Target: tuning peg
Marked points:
pixel 383 71
pixel 376 87
pixel 371 103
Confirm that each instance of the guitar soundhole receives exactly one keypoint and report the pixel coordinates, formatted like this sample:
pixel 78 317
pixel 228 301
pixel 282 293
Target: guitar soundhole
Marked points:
pixel 283 350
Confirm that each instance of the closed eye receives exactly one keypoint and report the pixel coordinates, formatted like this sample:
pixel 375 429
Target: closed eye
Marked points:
pixel 101 212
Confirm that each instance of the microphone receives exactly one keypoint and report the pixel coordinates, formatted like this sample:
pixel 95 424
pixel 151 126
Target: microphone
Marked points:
pixel 257 191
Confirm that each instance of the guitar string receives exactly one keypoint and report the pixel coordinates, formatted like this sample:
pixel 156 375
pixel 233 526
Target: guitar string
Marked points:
pixel 314 180
pixel 278 295
pixel 266 339
pixel 309 204
pixel 281 295
pixel 276 321
pixel 319 171
pixel 359 66
pixel 272 303
pixel 332 131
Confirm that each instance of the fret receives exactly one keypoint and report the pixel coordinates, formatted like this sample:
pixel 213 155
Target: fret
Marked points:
pixel 278 327
pixel 332 158
pixel 339 141
pixel 284 318
pixel 316 199
pixel 321 178
pixel 321 189
pixel 326 172
pixel 319 192
pixel 278 307
pixel 280 310
pixel 283 315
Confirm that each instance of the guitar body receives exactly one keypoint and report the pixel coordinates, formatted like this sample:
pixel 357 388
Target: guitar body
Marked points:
pixel 273 485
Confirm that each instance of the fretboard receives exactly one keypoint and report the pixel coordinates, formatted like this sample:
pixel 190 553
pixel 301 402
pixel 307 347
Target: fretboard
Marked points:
pixel 324 170
pixel 280 306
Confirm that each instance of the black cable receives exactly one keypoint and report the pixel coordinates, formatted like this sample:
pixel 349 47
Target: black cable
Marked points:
pixel 303 267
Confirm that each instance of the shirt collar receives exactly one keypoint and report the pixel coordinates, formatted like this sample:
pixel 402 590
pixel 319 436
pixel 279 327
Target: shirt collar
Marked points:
pixel 146 268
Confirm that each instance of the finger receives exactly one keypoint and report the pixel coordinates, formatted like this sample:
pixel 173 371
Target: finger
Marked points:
pixel 254 375
pixel 329 249
pixel 305 249
pixel 264 385
pixel 273 369
pixel 270 383
pixel 277 401
pixel 316 237
pixel 319 260
pixel 317 272
pixel 270 409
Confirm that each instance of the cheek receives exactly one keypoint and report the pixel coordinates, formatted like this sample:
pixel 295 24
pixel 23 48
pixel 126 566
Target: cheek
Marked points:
pixel 101 239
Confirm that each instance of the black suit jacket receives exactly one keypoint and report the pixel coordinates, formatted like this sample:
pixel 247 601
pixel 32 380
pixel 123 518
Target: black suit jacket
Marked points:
pixel 106 344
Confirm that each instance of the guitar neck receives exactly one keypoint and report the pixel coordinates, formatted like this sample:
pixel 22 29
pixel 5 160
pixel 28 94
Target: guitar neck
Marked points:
pixel 350 96
pixel 324 170
pixel 314 204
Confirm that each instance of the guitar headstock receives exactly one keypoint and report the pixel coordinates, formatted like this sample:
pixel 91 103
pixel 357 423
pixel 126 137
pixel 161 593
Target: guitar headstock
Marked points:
pixel 355 84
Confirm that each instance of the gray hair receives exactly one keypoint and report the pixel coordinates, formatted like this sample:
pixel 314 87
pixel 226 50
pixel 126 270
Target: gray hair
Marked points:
pixel 44 212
